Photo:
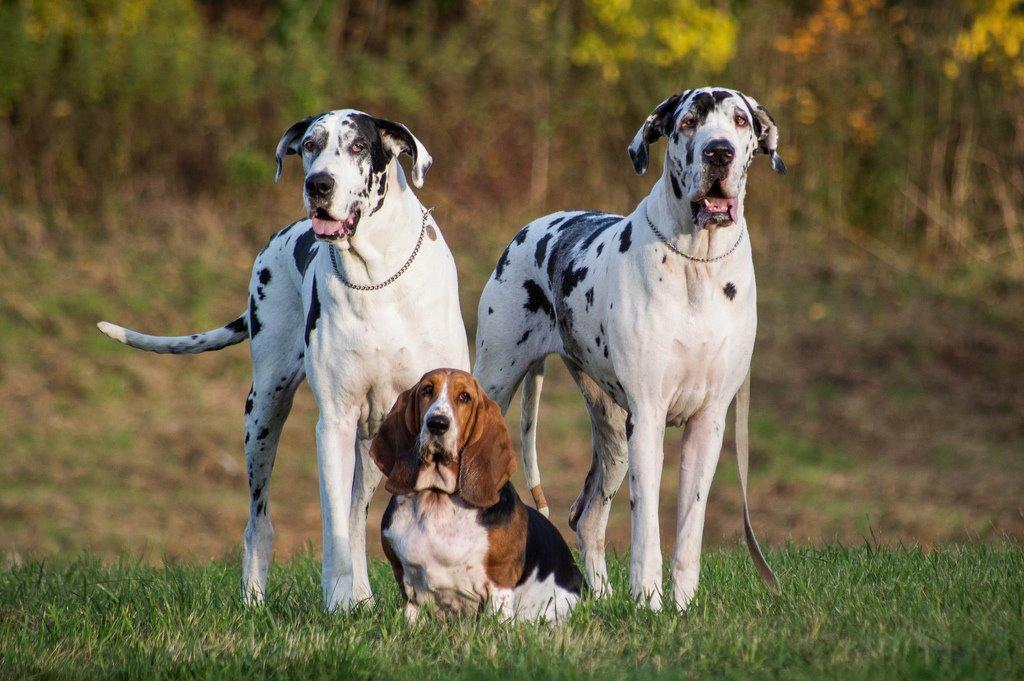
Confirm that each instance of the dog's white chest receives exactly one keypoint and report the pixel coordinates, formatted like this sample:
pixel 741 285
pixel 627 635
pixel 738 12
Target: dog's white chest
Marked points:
pixel 442 549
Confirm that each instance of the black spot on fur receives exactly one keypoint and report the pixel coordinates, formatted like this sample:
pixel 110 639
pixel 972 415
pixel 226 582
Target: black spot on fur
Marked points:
pixel 702 105
pixel 264 276
pixel 261 507
pixel 526 334
pixel 254 321
pixel 624 238
pixel 546 552
pixel 589 295
pixel 606 350
pixel 366 131
pixel 556 221
pixel 600 247
pixel 542 248
pixel 572 278
pixel 521 236
pixel 730 290
pixel 490 310
pixel 629 426
pixel 536 299
pixel 237 326
pixel 313 314
pixel 664 259
pixel 305 249
pixel 248 404
pixel 499 269
pixel 720 96
pixel 689 152
pixel 247 438
pixel 262 435
pixel 676 189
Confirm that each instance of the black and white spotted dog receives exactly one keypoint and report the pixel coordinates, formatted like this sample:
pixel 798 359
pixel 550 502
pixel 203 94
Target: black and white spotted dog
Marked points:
pixel 654 314
pixel 362 298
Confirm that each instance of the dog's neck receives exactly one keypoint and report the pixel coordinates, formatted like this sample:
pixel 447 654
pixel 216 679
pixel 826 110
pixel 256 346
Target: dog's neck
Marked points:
pixel 674 219
pixel 384 240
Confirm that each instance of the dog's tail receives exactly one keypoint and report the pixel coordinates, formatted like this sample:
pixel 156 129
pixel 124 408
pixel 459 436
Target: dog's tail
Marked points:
pixel 214 339
pixel 743 461
pixel 532 385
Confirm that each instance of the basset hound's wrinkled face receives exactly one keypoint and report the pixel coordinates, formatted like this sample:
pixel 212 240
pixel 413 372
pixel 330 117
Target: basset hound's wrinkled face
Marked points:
pixel 444 434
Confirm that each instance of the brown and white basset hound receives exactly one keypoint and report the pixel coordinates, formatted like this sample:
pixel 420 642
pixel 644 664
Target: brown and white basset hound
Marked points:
pixel 456 533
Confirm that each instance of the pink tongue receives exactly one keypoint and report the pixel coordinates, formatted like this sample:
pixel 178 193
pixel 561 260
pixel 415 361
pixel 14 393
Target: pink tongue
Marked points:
pixel 716 205
pixel 327 227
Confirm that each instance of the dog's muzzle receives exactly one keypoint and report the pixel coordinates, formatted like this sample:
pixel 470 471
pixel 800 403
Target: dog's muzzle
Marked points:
pixel 319 192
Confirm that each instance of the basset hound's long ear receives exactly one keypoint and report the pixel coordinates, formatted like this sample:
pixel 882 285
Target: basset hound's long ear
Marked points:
pixel 399 140
pixel 658 124
pixel 487 460
pixel 393 448
pixel 768 138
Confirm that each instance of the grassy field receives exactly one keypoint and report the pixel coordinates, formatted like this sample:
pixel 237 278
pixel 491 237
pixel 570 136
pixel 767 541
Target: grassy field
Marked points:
pixel 955 612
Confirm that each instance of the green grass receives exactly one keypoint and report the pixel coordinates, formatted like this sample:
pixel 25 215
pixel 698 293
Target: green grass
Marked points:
pixel 953 612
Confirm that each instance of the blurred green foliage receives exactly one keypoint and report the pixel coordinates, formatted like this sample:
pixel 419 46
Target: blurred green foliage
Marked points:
pixel 900 119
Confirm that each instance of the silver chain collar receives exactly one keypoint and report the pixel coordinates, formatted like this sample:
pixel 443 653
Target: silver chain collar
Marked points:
pixel 390 280
pixel 689 257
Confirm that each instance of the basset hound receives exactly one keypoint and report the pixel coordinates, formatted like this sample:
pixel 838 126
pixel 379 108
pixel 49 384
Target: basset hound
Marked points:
pixel 456 533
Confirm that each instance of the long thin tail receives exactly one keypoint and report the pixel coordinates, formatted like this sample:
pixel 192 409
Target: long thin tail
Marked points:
pixel 743 461
pixel 532 385
pixel 214 339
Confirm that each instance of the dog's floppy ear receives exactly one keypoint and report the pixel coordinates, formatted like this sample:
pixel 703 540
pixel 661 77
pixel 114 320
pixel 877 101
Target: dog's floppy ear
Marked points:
pixel 398 140
pixel 393 448
pixel 487 460
pixel 768 138
pixel 289 143
pixel 656 125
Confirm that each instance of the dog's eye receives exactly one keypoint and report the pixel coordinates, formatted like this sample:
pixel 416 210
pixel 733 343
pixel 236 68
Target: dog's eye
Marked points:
pixel 464 397
pixel 687 123
pixel 309 145
pixel 428 390
pixel 741 122
pixel 357 147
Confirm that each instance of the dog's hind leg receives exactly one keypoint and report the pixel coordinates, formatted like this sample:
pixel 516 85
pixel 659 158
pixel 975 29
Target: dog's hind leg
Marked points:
pixel 530 411
pixel 367 478
pixel 278 354
pixel 266 409
pixel 588 515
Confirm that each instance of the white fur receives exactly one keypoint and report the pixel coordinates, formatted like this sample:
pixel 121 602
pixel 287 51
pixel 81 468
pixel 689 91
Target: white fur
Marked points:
pixel 365 348
pixel 654 338
pixel 443 550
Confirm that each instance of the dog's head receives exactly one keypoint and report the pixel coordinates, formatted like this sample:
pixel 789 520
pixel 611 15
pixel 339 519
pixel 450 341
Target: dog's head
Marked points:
pixel 713 134
pixel 445 434
pixel 345 155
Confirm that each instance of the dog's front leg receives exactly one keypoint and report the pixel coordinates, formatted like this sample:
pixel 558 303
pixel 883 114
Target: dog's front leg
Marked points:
pixel 702 445
pixel 367 477
pixel 645 431
pixel 335 453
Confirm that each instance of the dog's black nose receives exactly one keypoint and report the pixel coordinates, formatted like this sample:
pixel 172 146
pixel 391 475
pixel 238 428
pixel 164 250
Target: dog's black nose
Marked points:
pixel 438 424
pixel 719 152
pixel 320 185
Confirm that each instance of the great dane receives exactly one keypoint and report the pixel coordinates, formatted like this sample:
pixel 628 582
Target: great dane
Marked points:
pixel 654 315
pixel 361 297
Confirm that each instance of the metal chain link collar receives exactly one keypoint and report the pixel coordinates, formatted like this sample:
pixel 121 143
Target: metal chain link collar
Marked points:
pixel 390 280
pixel 692 258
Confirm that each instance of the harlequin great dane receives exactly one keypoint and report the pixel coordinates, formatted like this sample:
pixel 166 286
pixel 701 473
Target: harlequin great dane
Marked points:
pixel 361 297
pixel 654 315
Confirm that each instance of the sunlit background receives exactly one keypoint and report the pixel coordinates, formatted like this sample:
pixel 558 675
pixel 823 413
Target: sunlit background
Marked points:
pixel 136 184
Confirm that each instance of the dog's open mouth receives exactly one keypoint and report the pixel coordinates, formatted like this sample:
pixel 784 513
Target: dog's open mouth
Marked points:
pixel 715 207
pixel 326 227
